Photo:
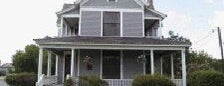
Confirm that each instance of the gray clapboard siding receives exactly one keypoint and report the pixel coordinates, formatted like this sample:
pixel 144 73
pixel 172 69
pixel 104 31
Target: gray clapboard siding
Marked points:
pixel 95 54
pixel 105 3
pixel 131 67
pixel 132 24
pixel 91 23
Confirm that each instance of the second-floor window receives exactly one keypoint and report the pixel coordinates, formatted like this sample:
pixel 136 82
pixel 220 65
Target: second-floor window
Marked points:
pixel 111 24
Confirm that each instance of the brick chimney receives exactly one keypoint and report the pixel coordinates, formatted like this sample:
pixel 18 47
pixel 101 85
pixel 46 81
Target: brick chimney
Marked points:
pixel 150 2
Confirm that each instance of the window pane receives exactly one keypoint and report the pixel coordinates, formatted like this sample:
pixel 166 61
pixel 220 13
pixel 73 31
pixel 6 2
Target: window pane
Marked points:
pixel 111 30
pixel 111 17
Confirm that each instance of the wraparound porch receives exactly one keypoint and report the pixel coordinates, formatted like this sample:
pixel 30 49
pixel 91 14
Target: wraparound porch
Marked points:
pixel 75 65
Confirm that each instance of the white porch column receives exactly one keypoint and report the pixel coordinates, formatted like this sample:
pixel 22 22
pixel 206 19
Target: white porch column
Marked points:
pixel 172 67
pixel 40 63
pixel 144 63
pixel 78 69
pixel 161 65
pixel 152 62
pixel 184 74
pixel 56 66
pixel 72 63
pixel 121 65
pixel 49 64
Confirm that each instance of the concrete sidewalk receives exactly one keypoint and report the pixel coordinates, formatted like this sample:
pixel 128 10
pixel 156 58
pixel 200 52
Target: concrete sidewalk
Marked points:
pixel 2 81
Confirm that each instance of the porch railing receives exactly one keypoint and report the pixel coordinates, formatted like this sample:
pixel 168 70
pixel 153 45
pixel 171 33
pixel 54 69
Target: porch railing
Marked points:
pixel 44 80
pixel 178 82
pixel 119 82
pixel 128 82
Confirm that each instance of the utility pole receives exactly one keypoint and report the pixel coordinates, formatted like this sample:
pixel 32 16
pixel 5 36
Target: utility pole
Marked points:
pixel 220 42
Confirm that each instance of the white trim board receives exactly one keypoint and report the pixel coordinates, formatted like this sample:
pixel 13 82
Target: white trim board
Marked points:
pixel 142 3
pixel 71 16
pixel 144 45
pixel 114 47
pixel 111 9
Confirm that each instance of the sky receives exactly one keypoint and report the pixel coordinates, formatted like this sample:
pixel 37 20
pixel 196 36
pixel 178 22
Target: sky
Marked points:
pixel 21 21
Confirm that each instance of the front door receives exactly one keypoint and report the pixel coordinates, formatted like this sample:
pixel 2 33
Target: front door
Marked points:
pixel 111 64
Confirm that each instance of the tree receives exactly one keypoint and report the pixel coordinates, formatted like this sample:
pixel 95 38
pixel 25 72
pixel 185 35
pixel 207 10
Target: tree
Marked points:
pixel 199 61
pixel 27 61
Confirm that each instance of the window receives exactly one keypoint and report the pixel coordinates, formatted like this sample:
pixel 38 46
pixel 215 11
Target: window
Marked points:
pixel 111 24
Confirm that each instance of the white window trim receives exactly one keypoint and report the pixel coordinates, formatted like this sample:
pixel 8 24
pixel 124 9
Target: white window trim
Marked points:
pixel 111 1
pixel 121 23
pixel 102 23
pixel 80 22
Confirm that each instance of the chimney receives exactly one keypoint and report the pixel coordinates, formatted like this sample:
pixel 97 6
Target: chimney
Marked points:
pixel 150 2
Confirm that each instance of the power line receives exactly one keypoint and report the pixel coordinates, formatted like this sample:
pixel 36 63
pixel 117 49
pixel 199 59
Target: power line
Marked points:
pixel 205 37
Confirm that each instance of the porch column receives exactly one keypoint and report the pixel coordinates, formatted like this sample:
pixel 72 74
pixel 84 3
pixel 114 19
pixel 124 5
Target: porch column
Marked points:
pixel 152 62
pixel 78 69
pixel 161 65
pixel 172 67
pixel 144 63
pixel 72 63
pixel 56 66
pixel 183 56
pixel 40 63
pixel 121 65
pixel 49 64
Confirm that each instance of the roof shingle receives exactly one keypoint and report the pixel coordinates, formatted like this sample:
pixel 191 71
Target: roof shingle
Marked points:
pixel 112 40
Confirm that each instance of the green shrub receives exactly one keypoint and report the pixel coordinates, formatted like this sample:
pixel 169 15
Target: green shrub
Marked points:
pixel 152 80
pixel 206 78
pixel 21 79
pixel 91 81
pixel 69 82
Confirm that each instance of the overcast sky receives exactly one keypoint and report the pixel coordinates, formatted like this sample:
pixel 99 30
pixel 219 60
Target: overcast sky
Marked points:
pixel 21 21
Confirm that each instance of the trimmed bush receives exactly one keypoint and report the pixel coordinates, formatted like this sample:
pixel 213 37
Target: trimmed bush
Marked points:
pixel 91 81
pixel 69 82
pixel 206 78
pixel 21 79
pixel 152 80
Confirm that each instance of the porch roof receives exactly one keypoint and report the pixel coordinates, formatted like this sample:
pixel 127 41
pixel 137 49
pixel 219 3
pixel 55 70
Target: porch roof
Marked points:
pixel 112 40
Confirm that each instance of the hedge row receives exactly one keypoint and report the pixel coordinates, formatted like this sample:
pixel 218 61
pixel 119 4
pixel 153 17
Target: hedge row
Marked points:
pixel 206 78
pixel 152 80
pixel 21 79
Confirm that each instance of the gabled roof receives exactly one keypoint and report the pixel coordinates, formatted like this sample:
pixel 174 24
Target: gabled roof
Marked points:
pixel 162 15
pixel 67 8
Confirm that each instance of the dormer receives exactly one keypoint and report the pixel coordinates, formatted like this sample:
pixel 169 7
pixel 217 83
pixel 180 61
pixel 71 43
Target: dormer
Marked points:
pixel 113 18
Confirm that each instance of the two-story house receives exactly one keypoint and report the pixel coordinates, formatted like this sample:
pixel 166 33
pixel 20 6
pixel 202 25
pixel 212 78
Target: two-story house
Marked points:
pixel 115 40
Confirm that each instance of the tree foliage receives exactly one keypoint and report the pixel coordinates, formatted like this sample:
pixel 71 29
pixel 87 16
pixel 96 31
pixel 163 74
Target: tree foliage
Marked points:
pixel 199 61
pixel 27 60
pixel 206 78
